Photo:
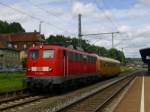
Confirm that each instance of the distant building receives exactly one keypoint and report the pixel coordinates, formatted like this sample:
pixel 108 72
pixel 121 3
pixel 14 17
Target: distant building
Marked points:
pixel 13 47
pixel 9 57
pixel 22 41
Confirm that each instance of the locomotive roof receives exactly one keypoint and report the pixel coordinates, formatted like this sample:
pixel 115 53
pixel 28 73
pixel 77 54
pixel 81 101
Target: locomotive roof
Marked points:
pixel 74 50
pixel 60 47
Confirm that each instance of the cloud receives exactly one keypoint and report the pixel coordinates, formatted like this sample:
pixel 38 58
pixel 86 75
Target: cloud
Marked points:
pixel 133 22
pixel 81 8
pixel 145 2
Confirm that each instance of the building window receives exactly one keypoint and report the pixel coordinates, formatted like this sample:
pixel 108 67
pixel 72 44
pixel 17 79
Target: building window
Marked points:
pixel 15 46
pixel 10 45
pixel 24 46
pixel 33 45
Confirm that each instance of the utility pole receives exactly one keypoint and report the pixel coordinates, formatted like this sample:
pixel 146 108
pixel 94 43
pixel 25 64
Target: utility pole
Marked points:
pixel 79 29
pixel 112 34
pixel 40 26
pixel 112 39
pixel 80 32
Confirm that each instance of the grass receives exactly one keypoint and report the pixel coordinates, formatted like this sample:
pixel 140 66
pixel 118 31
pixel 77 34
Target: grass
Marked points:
pixel 11 81
pixel 127 70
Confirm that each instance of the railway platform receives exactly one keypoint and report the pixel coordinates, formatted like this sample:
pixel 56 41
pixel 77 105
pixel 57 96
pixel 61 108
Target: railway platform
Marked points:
pixel 137 97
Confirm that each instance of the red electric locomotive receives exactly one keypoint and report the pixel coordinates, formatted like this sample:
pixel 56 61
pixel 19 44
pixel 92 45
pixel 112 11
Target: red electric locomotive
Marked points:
pixel 49 65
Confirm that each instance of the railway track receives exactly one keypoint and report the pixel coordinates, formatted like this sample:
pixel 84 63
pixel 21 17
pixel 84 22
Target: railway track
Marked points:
pixel 95 101
pixel 66 101
pixel 12 94
pixel 9 104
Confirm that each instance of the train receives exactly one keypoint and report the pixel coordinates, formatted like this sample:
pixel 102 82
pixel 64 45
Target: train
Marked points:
pixel 53 65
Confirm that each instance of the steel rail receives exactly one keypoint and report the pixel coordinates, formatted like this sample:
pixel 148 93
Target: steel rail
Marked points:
pixel 24 101
pixel 112 96
pixel 94 93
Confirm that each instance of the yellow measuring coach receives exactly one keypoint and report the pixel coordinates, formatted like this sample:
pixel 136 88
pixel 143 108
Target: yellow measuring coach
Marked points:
pixel 107 67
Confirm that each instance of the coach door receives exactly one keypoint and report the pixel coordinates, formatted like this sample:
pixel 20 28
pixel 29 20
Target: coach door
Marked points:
pixel 65 63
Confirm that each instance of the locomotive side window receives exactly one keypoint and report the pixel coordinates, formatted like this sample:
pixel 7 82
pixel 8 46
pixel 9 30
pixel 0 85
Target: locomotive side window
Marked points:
pixel 48 53
pixel 34 54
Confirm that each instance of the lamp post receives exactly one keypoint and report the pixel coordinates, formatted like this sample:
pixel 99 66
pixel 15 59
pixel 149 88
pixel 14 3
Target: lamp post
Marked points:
pixel 40 26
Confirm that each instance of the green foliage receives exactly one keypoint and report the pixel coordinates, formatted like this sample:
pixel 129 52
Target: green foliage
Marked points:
pixel 101 51
pixel 11 81
pixel 134 61
pixel 116 54
pixel 10 27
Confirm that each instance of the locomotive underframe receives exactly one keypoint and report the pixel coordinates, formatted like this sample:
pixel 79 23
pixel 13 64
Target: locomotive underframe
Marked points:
pixel 49 81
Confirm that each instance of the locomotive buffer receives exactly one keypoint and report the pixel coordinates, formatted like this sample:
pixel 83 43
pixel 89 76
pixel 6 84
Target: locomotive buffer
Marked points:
pixel 145 54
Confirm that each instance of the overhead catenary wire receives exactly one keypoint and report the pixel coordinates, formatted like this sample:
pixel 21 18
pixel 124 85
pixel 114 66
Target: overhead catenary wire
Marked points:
pixel 52 14
pixel 107 17
pixel 44 10
pixel 31 16
pixel 114 17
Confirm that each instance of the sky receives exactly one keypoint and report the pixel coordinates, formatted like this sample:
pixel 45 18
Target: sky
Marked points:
pixel 131 18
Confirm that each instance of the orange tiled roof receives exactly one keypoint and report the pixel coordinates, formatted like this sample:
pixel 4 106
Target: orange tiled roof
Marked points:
pixel 18 37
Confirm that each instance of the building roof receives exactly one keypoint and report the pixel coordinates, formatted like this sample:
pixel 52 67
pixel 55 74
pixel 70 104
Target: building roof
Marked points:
pixel 22 37
pixel 7 41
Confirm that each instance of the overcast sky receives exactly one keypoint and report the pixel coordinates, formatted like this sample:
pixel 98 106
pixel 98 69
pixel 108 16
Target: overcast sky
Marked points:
pixel 130 17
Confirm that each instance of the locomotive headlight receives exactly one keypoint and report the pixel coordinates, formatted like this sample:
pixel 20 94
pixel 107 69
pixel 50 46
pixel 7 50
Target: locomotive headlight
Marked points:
pixel 29 69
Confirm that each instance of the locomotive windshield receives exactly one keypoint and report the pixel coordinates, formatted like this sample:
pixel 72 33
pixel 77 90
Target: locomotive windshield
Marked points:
pixel 48 53
pixel 34 54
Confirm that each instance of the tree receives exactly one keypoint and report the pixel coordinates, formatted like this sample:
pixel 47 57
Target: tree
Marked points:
pixel 14 27
pixel 116 54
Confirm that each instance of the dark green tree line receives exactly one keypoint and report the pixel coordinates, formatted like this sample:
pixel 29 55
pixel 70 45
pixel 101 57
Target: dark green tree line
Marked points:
pixel 14 27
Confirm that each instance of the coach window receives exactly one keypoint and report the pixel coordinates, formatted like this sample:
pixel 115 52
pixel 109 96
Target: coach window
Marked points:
pixel 34 54
pixel 85 58
pixel 48 53
pixel 94 59
pixel 76 58
pixel 80 57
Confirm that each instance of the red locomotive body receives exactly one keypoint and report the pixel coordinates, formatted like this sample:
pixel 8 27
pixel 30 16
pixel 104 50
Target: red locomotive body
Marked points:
pixel 52 65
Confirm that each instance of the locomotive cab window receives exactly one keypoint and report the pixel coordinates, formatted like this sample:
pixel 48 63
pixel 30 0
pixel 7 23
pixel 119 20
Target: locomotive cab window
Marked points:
pixel 34 54
pixel 48 53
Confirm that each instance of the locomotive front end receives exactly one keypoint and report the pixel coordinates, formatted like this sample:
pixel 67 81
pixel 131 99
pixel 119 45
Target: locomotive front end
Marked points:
pixel 41 67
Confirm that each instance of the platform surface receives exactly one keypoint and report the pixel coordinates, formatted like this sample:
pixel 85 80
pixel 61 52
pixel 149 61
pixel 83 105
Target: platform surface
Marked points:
pixel 137 98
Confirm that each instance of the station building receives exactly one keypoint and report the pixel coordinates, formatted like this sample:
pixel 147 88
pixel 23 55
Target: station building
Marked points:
pixel 9 57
